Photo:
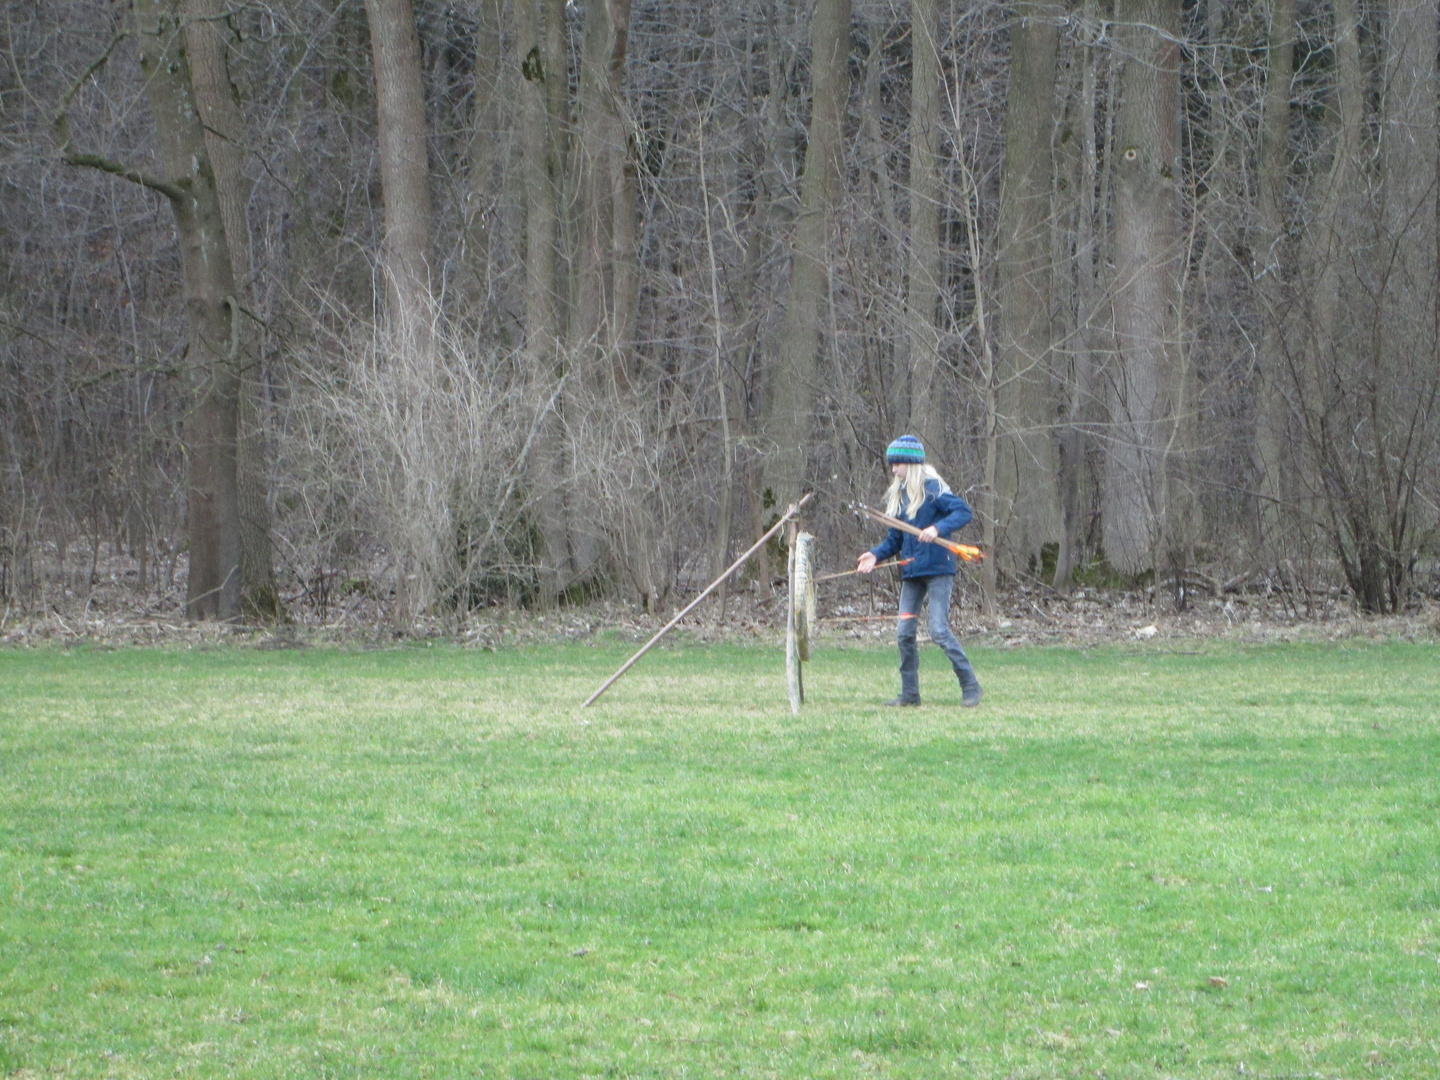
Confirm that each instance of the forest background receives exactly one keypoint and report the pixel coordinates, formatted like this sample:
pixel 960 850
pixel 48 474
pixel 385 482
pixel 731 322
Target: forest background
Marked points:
pixel 457 303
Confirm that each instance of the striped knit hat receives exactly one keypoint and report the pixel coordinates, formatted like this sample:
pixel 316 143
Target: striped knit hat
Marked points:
pixel 906 450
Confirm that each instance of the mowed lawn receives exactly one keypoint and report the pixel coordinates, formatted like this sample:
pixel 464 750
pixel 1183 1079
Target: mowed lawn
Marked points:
pixel 1158 861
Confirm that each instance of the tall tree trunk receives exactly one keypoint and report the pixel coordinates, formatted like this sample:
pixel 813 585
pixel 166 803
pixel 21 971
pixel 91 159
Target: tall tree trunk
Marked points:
pixel 1143 386
pixel 1080 387
pixel 720 540
pixel 606 273
pixel 224 139
pixel 1028 497
pixel 791 391
pixel 1408 160
pixel 212 501
pixel 1334 230
pixel 1407 361
pixel 1327 273
pixel 924 270
pixel 1409 148
pixel 606 261
pixel 485 206
pixel 1269 270
pixel 1371 384
pixel 412 310
pixel 543 102
pixel 885 251
pixel 774 153
pixel 988 365
pixel 404 173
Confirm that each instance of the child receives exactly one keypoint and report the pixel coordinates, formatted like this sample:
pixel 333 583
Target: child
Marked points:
pixel 919 495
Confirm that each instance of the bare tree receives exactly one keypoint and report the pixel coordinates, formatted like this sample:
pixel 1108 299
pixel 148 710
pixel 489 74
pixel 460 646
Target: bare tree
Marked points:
pixel 1142 378
pixel 1270 268
pixel 540 26
pixel 225 139
pixel 411 311
pixel 924 269
pixel 791 388
pixel 1027 499
pixel 606 268
pixel 488 214
pixel 1367 382
pixel 404 171
pixel 1081 324
pixel 213 589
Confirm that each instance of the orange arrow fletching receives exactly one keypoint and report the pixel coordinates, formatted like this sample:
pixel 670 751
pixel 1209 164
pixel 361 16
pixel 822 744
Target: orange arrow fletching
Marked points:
pixel 966 551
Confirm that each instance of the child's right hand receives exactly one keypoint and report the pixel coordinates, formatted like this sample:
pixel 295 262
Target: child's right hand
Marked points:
pixel 865 563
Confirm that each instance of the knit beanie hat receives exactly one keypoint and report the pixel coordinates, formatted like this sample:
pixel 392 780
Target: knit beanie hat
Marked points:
pixel 906 450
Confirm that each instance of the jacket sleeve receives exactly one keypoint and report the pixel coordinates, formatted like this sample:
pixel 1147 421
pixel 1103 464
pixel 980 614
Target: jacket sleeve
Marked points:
pixel 951 513
pixel 889 546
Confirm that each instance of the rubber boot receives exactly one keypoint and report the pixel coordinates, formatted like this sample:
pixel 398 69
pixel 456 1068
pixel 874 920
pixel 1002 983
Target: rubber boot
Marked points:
pixel 909 672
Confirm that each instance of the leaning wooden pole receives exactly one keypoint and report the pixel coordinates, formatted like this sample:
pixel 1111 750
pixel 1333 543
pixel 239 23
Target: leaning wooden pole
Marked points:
pixel 790 513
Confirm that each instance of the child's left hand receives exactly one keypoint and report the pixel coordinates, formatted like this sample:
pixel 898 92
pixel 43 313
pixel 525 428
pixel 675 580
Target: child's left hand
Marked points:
pixel 929 534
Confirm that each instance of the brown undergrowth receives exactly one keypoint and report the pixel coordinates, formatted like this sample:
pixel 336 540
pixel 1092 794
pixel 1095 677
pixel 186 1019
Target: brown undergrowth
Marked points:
pixel 100 604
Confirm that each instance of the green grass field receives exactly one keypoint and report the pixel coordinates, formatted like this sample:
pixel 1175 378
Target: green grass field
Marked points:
pixel 429 863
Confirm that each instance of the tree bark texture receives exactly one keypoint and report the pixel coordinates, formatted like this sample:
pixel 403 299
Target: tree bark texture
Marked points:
pixel 212 506
pixel 1330 281
pixel 404 173
pixel 923 266
pixel 1408 265
pixel 205 32
pixel 1269 265
pixel 496 83
pixel 540 52
pixel 791 391
pixel 1074 473
pixel 1143 377
pixel 1333 230
pixel 606 269
pixel 887 249
pixel 1403 273
pixel 410 339
pixel 606 263
pixel 1028 497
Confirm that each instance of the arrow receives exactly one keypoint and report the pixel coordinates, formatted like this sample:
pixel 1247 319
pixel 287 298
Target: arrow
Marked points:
pixel 878 566
pixel 966 551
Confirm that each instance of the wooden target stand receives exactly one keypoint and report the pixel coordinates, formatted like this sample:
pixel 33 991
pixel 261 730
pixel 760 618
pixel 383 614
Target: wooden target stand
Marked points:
pixel 797 633
pixel 800 611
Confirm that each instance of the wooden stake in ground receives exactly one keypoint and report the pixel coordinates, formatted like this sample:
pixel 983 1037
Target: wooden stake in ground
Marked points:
pixel 789 513
pixel 793 683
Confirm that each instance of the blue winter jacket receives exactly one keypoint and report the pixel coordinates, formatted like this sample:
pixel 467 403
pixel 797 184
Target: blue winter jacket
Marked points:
pixel 941 508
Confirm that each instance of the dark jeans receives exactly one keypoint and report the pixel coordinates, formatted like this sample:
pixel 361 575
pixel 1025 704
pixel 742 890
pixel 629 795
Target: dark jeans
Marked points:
pixel 912 592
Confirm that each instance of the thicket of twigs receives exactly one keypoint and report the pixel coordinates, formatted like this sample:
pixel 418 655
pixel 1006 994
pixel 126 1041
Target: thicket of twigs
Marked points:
pixel 97 601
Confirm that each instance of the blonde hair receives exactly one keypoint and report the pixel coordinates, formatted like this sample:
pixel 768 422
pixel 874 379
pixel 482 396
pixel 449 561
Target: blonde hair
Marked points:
pixel 912 484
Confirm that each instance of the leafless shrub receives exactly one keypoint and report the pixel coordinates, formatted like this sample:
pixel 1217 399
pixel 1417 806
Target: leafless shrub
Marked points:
pixel 418 452
pixel 623 479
